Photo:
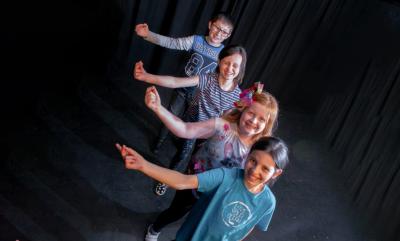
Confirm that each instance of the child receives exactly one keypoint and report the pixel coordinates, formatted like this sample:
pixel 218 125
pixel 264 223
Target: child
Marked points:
pixel 229 141
pixel 214 94
pixel 203 59
pixel 234 200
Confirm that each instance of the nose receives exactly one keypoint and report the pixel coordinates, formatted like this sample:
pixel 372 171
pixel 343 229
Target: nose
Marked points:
pixel 218 33
pixel 253 119
pixel 256 170
pixel 230 67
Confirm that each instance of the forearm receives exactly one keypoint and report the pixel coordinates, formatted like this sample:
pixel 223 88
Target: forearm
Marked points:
pixel 171 43
pixel 170 81
pixel 178 127
pixel 172 178
pixel 187 130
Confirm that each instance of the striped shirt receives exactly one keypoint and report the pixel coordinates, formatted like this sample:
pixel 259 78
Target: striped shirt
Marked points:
pixel 209 99
pixel 203 56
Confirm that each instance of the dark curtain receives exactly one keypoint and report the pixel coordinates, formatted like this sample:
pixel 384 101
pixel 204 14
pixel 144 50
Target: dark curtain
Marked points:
pixel 360 114
pixel 336 59
pixel 283 40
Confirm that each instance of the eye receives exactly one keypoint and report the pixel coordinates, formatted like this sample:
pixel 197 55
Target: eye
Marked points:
pixel 251 160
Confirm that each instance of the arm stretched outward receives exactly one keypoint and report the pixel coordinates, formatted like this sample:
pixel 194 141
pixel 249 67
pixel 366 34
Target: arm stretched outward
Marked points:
pixel 188 130
pixel 174 179
pixel 163 80
pixel 185 43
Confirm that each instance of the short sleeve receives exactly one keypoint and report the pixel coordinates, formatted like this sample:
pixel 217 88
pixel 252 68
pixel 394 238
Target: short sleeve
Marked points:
pixel 222 126
pixel 210 180
pixel 202 81
pixel 266 218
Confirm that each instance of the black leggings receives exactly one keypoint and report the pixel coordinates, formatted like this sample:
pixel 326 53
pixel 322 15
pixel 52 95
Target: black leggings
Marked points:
pixel 181 204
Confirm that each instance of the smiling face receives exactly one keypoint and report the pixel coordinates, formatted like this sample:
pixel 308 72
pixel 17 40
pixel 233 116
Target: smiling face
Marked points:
pixel 218 32
pixel 258 170
pixel 229 67
pixel 253 119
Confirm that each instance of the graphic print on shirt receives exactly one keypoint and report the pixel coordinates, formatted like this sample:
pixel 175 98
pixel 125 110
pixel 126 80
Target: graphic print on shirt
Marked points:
pixel 195 66
pixel 219 151
pixel 235 214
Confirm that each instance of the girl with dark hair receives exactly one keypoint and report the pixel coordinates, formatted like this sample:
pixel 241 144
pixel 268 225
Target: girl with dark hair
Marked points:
pixel 234 200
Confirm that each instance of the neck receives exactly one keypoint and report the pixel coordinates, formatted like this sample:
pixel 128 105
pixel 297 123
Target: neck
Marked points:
pixel 246 139
pixel 254 189
pixel 226 84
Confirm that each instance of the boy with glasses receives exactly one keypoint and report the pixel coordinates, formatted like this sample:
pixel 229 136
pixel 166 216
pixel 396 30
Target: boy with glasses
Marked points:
pixel 204 51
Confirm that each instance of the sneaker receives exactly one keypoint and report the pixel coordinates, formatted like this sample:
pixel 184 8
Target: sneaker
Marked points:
pixel 160 188
pixel 151 235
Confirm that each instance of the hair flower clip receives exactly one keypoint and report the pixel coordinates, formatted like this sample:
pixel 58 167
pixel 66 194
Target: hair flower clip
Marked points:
pixel 246 97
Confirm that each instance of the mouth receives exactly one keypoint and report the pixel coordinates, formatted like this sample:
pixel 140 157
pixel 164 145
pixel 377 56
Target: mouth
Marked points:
pixel 216 38
pixel 251 178
pixel 229 74
pixel 251 126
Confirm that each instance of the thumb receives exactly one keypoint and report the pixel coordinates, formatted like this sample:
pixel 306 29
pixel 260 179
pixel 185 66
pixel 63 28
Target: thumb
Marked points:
pixel 118 146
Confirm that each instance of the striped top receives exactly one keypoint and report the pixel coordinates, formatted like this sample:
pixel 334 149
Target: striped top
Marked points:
pixel 209 99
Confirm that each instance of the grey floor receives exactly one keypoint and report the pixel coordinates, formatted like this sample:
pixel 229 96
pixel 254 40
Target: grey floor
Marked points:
pixel 63 180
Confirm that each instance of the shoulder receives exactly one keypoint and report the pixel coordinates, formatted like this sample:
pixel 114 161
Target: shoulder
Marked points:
pixel 223 125
pixel 232 173
pixel 199 38
pixel 209 77
pixel 237 90
pixel 269 198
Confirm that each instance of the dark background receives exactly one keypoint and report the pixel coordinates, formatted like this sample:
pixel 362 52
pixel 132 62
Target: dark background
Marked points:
pixel 334 61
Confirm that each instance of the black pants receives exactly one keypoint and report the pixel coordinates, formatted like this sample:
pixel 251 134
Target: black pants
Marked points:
pixel 178 105
pixel 181 204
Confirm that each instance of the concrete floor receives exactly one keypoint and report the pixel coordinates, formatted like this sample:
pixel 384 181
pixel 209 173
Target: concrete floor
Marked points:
pixel 63 179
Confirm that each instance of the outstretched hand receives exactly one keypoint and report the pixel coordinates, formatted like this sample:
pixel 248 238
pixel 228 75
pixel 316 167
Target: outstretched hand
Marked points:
pixel 152 99
pixel 139 72
pixel 132 159
pixel 142 30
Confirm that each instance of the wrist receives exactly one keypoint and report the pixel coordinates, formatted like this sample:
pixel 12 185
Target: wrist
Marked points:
pixel 157 110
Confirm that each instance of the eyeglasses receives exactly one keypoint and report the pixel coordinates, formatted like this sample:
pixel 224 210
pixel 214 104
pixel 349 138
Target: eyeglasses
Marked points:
pixel 217 29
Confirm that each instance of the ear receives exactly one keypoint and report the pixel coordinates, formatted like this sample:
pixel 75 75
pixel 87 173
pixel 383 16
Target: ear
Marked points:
pixel 277 173
pixel 209 25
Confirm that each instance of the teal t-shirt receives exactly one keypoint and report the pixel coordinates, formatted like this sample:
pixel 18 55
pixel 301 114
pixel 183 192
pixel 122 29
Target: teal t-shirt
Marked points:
pixel 226 209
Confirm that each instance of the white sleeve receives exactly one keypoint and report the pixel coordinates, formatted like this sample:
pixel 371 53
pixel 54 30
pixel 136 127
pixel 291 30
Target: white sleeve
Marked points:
pixel 184 43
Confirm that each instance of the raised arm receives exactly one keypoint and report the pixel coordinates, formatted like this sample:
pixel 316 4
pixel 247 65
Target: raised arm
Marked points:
pixel 174 179
pixel 188 130
pixel 184 43
pixel 163 80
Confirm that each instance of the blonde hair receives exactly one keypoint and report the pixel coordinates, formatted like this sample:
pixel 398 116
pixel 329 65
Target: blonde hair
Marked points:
pixel 265 99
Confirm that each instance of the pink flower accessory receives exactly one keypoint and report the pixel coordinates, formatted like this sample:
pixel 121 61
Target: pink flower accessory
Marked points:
pixel 246 97
pixel 226 127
